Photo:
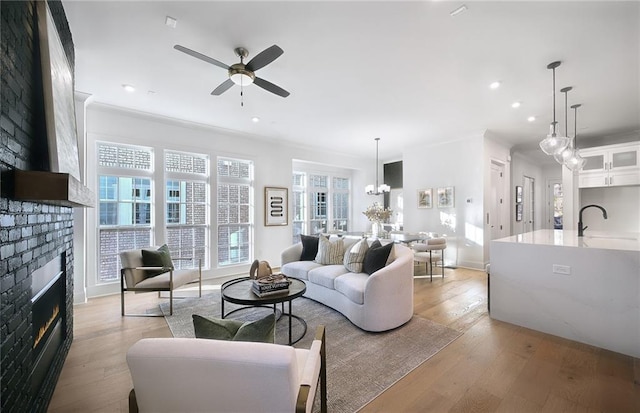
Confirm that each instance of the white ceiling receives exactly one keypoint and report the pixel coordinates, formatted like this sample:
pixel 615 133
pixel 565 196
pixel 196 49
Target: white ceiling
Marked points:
pixel 406 72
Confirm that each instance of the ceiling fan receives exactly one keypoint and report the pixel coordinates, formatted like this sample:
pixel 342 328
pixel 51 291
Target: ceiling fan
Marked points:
pixel 240 73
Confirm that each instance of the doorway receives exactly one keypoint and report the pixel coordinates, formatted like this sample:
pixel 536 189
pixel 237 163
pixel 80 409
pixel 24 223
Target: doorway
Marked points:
pixel 494 218
pixel 528 204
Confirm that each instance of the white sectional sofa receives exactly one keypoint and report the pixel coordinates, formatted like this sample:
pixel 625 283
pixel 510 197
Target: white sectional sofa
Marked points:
pixel 377 302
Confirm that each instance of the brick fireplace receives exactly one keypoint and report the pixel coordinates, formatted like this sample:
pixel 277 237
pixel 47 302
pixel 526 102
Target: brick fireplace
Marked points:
pixel 32 234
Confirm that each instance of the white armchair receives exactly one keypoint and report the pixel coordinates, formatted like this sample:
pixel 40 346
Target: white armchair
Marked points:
pixel 191 375
pixel 134 277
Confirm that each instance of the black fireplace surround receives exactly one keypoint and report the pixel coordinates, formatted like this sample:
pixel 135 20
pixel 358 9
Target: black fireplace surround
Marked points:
pixel 31 234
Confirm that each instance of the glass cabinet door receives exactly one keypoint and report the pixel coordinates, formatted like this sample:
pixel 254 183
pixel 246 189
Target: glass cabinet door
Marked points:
pixel 622 159
pixel 594 162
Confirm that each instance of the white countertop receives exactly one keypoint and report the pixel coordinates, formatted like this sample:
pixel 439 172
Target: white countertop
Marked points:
pixel 628 241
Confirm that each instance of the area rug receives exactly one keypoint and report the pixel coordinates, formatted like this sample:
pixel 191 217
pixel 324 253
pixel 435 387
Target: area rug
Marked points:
pixel 360 365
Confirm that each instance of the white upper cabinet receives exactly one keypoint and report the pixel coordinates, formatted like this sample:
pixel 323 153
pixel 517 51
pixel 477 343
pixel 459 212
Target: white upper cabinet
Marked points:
pixel 612 165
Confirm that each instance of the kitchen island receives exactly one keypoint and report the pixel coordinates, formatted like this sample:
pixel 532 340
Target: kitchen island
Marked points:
pixel 585 289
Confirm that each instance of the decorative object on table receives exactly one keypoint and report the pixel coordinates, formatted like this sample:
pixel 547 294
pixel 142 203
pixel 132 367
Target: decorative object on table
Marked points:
pixel 264 282
pixel 273 284
pixel 425 198
pixel 275 206
pixel 260 269
pixel 445 197
pixel 377 189
pixel 377 214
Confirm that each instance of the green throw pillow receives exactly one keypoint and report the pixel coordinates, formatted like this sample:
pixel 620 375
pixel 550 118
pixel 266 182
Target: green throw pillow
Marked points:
pixel 262 330
pixel 159 258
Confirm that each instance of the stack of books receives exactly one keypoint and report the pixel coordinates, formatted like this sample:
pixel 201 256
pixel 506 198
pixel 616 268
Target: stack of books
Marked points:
pixel 271 285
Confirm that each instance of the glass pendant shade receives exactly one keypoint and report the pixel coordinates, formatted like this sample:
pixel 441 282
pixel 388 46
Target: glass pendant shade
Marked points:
pixel 564 155
pixel 575 162
pixel 552 144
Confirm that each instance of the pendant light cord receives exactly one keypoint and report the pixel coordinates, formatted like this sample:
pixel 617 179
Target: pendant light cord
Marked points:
pixel 377 141
pixel 554 101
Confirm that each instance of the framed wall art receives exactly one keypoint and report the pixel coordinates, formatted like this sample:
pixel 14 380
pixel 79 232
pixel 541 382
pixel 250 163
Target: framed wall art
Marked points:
pixel 518 194
pixel 445 197
pixel 425 198
pixel 59 105
pixel 275 206
pixel 518 212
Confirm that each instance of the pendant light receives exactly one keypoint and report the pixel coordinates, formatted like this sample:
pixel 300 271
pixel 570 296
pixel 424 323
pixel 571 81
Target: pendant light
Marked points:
pixel 567 152
pixel 377 189
pixel 575 162
pixel 553 144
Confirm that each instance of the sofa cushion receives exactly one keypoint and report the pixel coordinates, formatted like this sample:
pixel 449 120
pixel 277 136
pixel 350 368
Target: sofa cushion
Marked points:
pixel 330 252
pixel 299 269
pixel 261 330
pixel 309 247
pixel 376 257
pixel 354 257
pixel 326 275
pixel 352 286
pixel 157 258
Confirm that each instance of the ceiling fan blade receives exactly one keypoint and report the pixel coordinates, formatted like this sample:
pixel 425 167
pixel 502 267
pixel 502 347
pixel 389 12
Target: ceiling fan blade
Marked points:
pixel 270 87
pixel 224 86
pixel 265 57
pixel 201 56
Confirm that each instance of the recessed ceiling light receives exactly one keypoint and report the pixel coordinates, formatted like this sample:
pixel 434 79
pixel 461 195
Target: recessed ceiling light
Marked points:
pixel 494 85
pixel 255 119
pixel 458 10
pixel 515 105
pixel 129 88
pixel 171 22
pixel 531 118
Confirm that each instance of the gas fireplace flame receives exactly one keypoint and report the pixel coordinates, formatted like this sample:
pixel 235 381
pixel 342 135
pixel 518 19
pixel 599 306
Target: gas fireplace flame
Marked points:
pixel 43 330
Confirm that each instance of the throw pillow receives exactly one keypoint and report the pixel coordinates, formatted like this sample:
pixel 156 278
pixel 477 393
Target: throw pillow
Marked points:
pixel 159 258
pixel 309 248
pixel 354 258
pixel 330 253
pixel 261 330
pixel 376 257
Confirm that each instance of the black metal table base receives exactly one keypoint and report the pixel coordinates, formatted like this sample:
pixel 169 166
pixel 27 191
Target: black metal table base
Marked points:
pixel 278 316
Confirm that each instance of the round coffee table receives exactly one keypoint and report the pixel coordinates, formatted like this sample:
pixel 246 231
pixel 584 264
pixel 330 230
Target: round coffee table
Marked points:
pixel 238 291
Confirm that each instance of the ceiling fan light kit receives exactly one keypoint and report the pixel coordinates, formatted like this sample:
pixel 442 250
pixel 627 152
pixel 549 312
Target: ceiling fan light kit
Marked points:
pixel 554 144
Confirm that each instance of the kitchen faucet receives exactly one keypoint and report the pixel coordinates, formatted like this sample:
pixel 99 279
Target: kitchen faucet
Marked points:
pixel 580 227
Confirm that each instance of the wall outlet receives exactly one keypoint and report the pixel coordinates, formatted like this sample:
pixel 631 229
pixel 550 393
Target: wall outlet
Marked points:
pixel 561 269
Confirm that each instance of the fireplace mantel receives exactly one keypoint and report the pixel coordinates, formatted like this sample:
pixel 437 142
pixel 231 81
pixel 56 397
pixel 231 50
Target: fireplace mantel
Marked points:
pixel 51 188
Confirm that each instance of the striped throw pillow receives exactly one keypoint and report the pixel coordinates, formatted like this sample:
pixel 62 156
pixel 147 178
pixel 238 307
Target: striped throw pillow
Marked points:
pixel 354 258
pixel 330 253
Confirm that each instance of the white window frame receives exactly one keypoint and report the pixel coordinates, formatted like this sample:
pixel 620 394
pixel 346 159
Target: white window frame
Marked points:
pixel 119 172
pixel 192 250
pixel 221 206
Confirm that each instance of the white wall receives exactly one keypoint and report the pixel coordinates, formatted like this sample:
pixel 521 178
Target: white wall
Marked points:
pixel 622 205
pixel 272 161
pixel 458 164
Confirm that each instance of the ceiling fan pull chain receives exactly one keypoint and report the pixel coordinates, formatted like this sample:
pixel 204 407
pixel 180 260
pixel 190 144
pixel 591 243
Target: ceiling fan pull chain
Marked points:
pixel 241 95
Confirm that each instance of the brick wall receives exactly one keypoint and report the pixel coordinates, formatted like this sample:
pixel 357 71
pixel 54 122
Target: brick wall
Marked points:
pixel 31 234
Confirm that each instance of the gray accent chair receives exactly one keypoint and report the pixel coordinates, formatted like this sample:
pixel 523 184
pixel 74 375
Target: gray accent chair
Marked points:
pixel 134 277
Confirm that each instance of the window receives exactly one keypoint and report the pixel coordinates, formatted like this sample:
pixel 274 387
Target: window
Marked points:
pixel 125 210
pixel 321 203
pixel 235 193
pixel 187 206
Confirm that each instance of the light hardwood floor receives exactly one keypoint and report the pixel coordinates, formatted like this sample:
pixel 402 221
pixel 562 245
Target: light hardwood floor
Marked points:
pixel 492 367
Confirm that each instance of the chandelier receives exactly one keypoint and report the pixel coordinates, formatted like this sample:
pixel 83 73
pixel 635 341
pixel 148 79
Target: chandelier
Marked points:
pixel 554 144
pixel 377 189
